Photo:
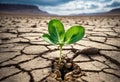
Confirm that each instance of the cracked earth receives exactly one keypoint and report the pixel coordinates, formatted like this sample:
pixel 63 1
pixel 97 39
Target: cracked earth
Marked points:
pixel 25 57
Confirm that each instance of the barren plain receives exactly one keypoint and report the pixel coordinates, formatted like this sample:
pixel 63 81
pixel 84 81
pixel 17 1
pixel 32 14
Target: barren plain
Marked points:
pixel 25 57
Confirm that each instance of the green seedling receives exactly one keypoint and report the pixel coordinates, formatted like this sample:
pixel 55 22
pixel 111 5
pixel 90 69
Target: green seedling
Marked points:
pixel 58 36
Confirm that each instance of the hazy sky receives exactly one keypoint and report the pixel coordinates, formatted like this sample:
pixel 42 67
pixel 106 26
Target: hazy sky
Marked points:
pixel 67 7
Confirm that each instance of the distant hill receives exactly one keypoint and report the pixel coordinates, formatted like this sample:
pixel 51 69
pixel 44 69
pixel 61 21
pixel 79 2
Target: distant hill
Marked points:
pixel 114 11
pixel 21 9
pixel 30 9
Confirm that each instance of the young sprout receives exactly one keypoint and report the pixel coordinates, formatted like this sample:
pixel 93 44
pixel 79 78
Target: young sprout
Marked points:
pixel 58 36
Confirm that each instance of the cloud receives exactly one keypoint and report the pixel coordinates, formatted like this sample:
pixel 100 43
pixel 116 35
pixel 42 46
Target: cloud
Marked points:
pixel 38 2
pixel 82 6
pixel 73 7
pixel 114 3
pixel 67 7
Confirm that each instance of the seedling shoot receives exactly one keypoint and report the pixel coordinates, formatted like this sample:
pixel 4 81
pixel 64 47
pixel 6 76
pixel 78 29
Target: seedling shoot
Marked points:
pixel 58 36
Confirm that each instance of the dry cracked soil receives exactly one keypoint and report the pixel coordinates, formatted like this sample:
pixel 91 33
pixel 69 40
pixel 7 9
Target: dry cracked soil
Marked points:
pixel 25 57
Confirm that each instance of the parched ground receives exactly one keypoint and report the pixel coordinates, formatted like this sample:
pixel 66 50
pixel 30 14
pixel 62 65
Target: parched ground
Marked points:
pixel 25 57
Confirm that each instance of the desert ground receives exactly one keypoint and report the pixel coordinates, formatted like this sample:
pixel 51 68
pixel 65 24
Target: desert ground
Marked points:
pixel 26 57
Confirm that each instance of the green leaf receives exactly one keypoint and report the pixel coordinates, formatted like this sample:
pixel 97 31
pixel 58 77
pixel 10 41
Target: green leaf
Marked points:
pixel 74 34
pixel 48 39
pixel 56 31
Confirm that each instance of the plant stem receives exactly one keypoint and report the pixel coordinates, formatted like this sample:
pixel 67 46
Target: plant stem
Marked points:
pixel 60 58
